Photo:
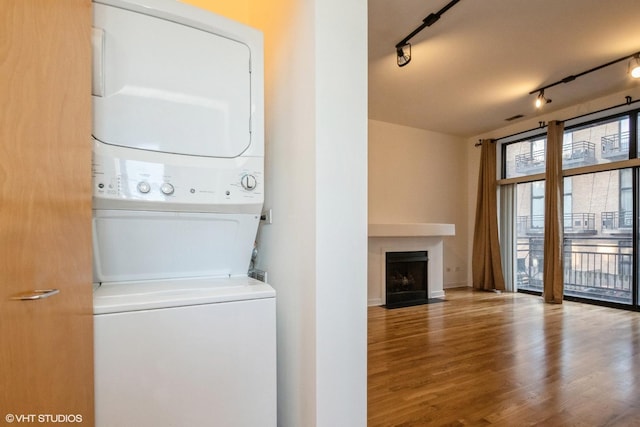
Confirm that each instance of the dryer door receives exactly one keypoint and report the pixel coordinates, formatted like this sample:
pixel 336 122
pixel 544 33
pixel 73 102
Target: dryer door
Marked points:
pixel 164 86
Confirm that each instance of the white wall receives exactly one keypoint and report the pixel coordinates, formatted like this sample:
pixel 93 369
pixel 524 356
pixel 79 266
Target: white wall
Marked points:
pixel 341 212
pixel 316 184
pixel 420 176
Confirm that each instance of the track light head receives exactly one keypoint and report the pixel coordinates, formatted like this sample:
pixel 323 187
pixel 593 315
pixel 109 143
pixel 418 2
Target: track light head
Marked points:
pixel 403 54
pixel 403 46
pixel 634 66
pixel 541 100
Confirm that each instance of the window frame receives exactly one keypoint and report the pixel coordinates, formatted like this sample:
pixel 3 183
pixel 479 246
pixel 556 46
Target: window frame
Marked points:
pixel 632 163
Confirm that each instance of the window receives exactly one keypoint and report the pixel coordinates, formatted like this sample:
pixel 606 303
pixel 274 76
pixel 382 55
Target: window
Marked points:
pixel 625 215
pixel 598 143
pixel 537 205
pixel 600 167
pixel 525 158
pixel 597 249
pixel 567 204
pixel 529 235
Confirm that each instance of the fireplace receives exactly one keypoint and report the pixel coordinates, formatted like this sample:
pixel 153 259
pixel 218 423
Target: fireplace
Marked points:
pixel 406 278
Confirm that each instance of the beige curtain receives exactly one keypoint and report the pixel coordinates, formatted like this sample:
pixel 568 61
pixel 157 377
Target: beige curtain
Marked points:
pixel 486 264
pixel 553 216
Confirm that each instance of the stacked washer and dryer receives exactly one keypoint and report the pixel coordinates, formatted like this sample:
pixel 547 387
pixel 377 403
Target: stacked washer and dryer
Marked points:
pixel 183 337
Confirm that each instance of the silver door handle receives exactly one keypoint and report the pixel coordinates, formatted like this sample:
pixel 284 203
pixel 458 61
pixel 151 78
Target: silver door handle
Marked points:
pixel 35 294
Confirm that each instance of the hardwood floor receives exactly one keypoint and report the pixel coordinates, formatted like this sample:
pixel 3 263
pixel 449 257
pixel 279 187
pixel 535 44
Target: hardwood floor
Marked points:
pixel 482 358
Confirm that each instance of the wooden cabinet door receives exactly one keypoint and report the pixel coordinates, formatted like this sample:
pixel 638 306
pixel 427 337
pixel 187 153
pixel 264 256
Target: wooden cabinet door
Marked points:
pixel 46 345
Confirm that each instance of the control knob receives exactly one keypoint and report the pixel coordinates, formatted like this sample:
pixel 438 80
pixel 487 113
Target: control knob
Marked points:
pixel 249 182
pixel 144 187
pixel 167 188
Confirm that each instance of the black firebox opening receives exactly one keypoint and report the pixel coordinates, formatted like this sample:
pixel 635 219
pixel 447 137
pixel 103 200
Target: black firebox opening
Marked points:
pixel 406 278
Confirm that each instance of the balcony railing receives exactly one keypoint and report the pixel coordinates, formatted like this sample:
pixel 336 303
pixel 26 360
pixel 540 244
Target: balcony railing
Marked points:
pixel 533 162
pixel 522 225
pixel 615 147
pixel 529 225
pixel 574 154
pixel 617 222
pixel 594 271
pixel 583 223
pixel 578 153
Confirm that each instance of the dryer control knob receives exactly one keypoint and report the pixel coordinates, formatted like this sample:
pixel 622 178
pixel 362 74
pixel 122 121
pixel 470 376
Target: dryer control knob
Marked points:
pixel 144 187
pixel 167 188
pixel 249 182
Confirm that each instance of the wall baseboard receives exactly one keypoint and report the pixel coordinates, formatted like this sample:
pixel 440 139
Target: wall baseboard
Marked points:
pixel 456 285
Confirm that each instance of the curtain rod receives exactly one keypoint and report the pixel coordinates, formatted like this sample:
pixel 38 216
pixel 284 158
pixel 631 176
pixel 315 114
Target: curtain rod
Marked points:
pixel 542 125
pixel 479 143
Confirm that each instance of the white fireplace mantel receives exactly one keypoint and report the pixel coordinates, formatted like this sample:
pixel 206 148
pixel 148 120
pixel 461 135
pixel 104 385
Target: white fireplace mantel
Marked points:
pixel 411 230
pixel 406 237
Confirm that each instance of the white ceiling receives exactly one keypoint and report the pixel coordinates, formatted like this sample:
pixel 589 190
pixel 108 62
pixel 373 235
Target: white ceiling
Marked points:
pixel 476 66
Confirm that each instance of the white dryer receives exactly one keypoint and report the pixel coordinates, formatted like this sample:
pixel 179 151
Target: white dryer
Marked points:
pixel 182 335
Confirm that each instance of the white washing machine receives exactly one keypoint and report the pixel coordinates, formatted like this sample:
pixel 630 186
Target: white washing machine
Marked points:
pixel 182 336
pixel 185 352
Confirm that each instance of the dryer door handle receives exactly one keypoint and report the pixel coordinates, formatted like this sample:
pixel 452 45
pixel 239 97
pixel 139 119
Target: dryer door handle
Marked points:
pixel 35 294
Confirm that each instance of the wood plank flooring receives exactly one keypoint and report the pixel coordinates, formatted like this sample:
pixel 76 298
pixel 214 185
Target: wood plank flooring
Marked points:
pixel 483 358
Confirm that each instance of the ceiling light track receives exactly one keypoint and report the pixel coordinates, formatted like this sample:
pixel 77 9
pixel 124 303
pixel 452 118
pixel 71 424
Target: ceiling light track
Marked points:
pixel 634 71
pixel 542 124
pixel 403 47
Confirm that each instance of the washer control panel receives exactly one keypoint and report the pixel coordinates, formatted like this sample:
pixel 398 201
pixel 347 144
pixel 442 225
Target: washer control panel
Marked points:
pixel 199 182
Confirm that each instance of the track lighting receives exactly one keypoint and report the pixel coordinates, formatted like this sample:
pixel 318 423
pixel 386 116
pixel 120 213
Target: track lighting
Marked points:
pixel 404 54
pixel 634 70
pixel 541 100
pixel 634 66
pixel 401 52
